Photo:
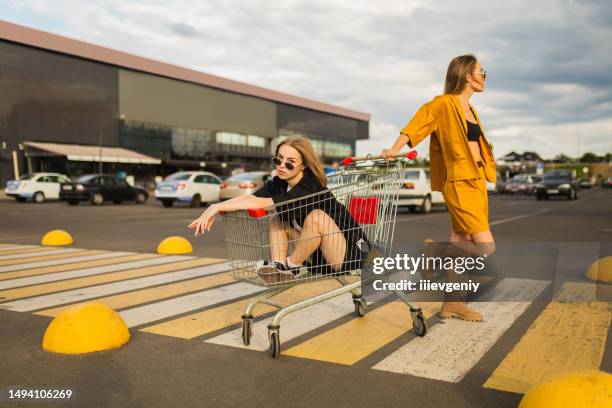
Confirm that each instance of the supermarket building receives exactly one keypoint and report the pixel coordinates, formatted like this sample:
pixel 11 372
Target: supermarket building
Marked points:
pixel 67 105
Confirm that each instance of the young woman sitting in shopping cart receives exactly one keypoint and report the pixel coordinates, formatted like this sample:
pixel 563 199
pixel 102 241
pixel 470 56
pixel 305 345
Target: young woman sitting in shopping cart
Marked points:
pixel 324 236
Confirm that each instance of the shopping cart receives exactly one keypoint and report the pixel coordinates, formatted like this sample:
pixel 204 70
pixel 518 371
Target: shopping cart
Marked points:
pixel 362 199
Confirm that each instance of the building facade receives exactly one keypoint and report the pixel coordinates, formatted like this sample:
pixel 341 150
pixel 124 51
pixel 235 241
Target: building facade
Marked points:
pixel 59 90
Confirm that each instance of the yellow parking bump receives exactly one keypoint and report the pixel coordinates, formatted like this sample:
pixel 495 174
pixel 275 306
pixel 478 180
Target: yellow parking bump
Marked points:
pixel 68 284
pixel 601 270
pixel 70 266
pixel 570 333
pixel 141 296
pixel 581 388
pixel 28 259
pixel 85 329
pixel 360 337
pixel 174 246
pixel 57 238
pixel 208 321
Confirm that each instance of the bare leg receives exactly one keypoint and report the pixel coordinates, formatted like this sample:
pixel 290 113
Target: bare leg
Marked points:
pixel 320 230
pixel 279 241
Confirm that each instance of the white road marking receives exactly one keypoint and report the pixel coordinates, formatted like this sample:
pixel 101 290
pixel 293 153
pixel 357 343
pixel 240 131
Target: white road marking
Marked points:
pixel 171 307
pixel 518 217
pixel 77 295
pixel 292 326
pixel 41 253
pixel 52 262
pixel 453 347
pixel 78 273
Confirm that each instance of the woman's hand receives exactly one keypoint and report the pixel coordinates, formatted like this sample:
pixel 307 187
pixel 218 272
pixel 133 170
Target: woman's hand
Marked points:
pixel 205 221
pixel 388 153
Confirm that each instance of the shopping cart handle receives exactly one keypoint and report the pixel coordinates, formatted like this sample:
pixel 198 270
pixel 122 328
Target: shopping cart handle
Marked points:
pixel 411 155
pixel 257 212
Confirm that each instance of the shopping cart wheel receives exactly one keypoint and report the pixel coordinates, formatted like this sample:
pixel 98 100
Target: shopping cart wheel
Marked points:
pixel 361 307
pixel 419 324
pixel 247 329
pixel 274 343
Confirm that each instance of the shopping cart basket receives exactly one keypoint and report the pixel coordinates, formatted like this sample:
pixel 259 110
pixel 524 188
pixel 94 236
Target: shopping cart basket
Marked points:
pixel 362 200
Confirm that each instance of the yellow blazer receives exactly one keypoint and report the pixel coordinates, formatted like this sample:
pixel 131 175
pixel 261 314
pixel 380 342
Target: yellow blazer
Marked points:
pixel 450 157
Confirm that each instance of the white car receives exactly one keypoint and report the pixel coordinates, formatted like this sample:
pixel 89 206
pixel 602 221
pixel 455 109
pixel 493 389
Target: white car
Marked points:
pixel 243 184
pixel 193 187
pixel 37 187
pixel 415 191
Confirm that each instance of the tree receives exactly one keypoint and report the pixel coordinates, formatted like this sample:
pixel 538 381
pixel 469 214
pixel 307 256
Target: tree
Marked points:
pixel 590 158
pixel 562 158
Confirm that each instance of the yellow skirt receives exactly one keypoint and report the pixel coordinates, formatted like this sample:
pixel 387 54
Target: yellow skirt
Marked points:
pixel 468 204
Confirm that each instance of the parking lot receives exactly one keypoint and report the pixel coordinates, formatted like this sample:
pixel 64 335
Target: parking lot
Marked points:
pixel 184 349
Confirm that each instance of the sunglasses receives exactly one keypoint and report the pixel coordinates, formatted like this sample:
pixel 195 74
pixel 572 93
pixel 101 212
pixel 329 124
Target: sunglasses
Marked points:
pixel 288 165
pixel 483 73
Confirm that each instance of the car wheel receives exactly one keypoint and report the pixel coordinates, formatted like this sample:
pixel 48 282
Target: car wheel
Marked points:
pixel 426 206
pixel 73 202
pixel 167 203
pixel 141 198
pixel 39 197
pixel 20 199
pixel 412 208
pixel 97 199
pixel 538 197
pixel 196 201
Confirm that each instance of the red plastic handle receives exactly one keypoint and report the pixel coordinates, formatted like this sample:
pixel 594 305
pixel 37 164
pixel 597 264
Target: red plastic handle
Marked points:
pixel 257 212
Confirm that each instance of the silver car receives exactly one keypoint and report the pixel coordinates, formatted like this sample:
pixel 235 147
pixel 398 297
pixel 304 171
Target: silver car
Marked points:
pixel 243 184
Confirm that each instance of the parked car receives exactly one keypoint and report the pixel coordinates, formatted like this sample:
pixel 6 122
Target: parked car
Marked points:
pixel 98 188
pixel 497 187
pixel 558 183
pixel 194 187
pixel 415 191
pixel 243 184
pixel 37 187
pixel 585 182
pixel 607 183
pixel 522 183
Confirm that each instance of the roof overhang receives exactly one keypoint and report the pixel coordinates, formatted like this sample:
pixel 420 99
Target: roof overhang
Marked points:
pixel 89 153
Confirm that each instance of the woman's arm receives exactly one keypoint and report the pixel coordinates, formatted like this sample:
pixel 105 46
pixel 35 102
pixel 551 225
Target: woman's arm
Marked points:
pixel 206 220
pixel 401 140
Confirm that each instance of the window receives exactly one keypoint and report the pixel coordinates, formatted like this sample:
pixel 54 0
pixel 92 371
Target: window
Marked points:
pixel 231 138
pixel 54 179
pixel 179 176
pixel 411 175
pixel 106 181
pixel 256 141
pixel 43 179
pixel 211 180
pixel 199 179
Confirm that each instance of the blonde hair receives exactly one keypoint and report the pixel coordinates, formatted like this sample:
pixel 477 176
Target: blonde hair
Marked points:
pixel 457 70
pixel 309 157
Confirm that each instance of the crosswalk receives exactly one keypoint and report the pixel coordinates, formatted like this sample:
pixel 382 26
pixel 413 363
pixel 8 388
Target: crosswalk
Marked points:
pixel 196 298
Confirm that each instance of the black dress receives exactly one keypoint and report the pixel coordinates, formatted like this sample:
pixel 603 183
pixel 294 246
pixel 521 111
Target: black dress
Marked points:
pixel 308 194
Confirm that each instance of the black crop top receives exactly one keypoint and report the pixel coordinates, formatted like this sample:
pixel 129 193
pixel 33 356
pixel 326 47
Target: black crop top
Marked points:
pixel 473 132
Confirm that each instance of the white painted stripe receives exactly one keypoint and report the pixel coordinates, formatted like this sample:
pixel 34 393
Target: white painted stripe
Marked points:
pixel 77 295
pixel 79 273
pixel 41 253
pixel 171 307
pixel 292 325
pixel 453 347
pixel 518 217
pixel 39 264
pixel 13 247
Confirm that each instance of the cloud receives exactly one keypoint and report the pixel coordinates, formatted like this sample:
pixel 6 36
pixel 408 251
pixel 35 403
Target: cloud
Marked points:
pixel 548 62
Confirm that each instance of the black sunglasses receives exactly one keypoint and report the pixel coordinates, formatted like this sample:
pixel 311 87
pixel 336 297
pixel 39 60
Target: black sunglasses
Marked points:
pixel 288 165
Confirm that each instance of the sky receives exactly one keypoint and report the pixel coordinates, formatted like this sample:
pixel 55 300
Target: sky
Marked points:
pixel 548 62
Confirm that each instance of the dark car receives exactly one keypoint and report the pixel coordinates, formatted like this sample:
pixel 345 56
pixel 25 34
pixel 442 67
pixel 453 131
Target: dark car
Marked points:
pixel 97 188
pixel 558 183
pixel 585 182
pixel 607 183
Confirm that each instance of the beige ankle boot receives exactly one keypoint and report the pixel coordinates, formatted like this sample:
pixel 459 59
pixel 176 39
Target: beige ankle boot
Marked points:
pixel 460 310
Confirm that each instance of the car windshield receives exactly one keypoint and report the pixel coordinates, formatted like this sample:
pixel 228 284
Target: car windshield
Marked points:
pixel 519 177
pixel 86 179
pixel 243 177
pixel 411 175
pixel 557 176
pixel 179 176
